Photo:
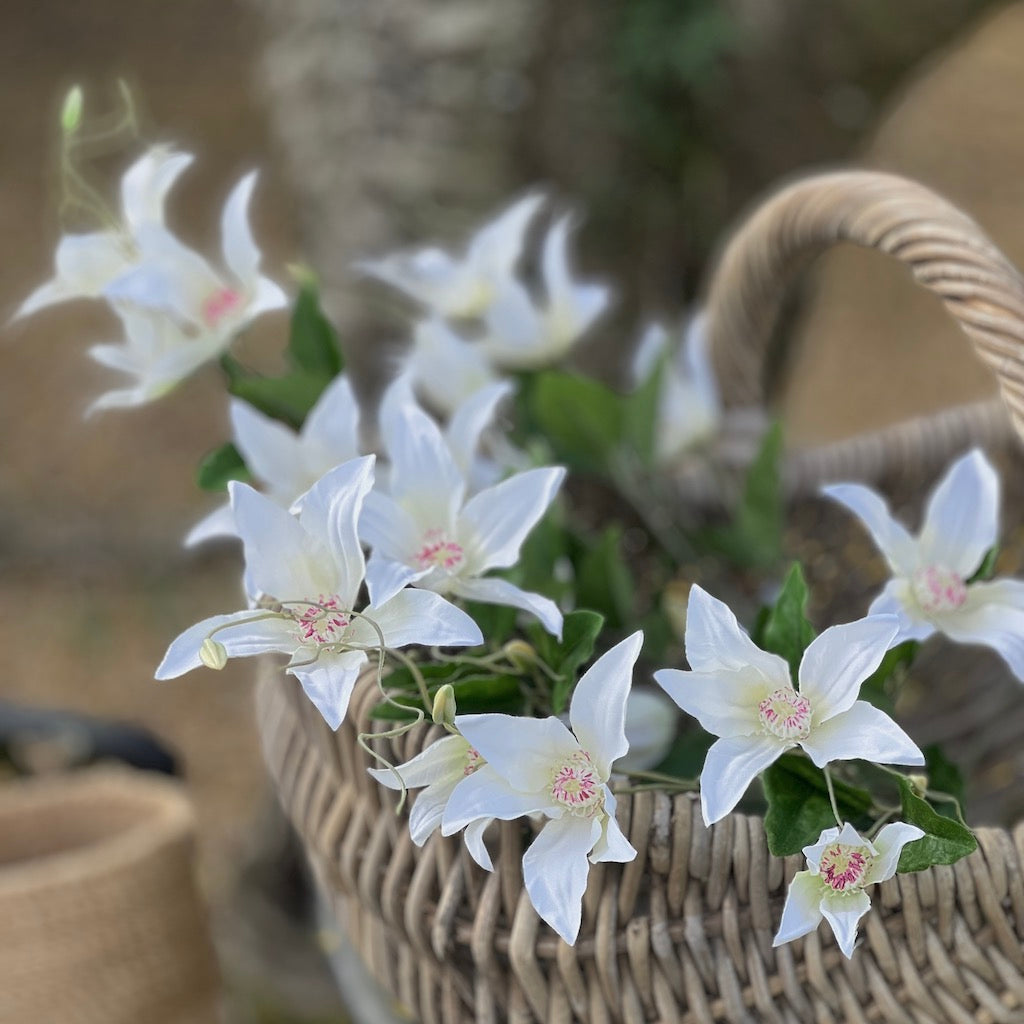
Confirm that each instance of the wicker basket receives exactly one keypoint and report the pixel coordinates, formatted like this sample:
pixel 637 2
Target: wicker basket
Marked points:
pixel 684 932
pixel 100 919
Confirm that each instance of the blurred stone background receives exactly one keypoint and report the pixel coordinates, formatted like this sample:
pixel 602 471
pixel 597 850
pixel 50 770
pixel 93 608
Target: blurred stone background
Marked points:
pixel 380 124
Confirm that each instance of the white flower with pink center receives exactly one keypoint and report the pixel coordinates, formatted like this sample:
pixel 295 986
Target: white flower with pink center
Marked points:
pixel 539 766
pixel 746 697
pixel 427 533
pixel 929 591
pixel 842 864
pixel 303 574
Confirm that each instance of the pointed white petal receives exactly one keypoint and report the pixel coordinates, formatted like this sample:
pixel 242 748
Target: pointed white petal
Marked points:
pixel 146 183
pixel 446 368
pixel 87 263
pixel 485 794
pixel 495 248
pixel 523 751
pixel 471 419
pixel 333 423
pixel 329 682
pixel 889 845
pixel 555 871
pixel 612 846
pixel 118 357
pixel 494 523
pixel 47 294
pixel 961 521
pixel 430 276
pixel 716 643
pixel 498 591
pixel 813 853
pixel 417 617
pixel 994 617
pixel 473 837
pixel 733 762
pixel 516 337
pixel 218 523
pixel 696 354
pixel 385 578
pixel 843 911
pixel 891 537
pixel 597 712
pixel 895 599
pixel 440 762
pixel 330 514
pixel 264 296
pixel 241 255
pixel 802 913
pixel 862 732
pixel 388 528
pixel 269 447
pixel 119 398
pixel 649 350
pixel 428 809
pixel 840 659
pixel 725 703
pixel 242 633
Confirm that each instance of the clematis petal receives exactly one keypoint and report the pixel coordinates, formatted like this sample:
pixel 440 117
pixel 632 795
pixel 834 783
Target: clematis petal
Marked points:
pixel 446 368
pixel 428 809
pixel 329 682
pixel 218 523
pixel 862 732
pixel 242 633
pixel 264 296
pixel 430 276
pixel 888 846
pixel 612 845
pixel 597 712
pixel 85 265
pixel 802 911
pixel 498 591
pixel 485 794
pixel 895 599
pixel 385 578
pixel 892 538
pixel 840 659
pixel 146 183
pixel 813 853
pixel 269 447
pixel 574 306
pixel 333 423
pixel 441 761
pixel 494 250
pixel 471 419
pixel 961 521
pixel 416 617
pixel 496 521
pixel 520 750
pixel 387 527
pixel 843 911
pixel 330 514
pixel 994 617
pixel 473 836
pixel 716 643
pixel 241 255
pixel 731 765
pixel 555 872
pixel 725 703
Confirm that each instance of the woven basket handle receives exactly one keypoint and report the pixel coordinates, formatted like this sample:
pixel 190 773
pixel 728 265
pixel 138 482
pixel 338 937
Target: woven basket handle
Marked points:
pixel 944 249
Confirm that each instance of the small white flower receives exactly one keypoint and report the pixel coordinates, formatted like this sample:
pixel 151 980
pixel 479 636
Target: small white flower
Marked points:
pixel 537 766
pixel 929 591
pixel 651 723
pixel 745 696
pixel 303 573
pixel 87 263
pixel 212 306
pixel 463 287
pixel 842 865
pixel 284 462
pixel 689 408
pixel 523 335
pixel 439 768
pixel 426 533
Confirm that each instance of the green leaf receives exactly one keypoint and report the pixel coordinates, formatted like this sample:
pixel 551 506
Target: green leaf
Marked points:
pixel 876 689
pixel 219 467
pixel 943 775
pixel 603 579
pixel 786 630
pixel 580 630
pixel 496 621
pixel 581 418
pixel 434 674
pixel 798 805
pixel 288 398
pixel 474 694
pixel 640 412
pixel 483 694
pixel 946 839
pixel 686 755
pixel 313 343
pixel 987 567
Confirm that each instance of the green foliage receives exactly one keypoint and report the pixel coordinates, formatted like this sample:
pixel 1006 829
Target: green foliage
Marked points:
pixel 580 630
pixel 987 567
pixel 604 581
pixel 640 413
pixel 219 467
pixel 686 755
pixel 313 343
pixel 786 630
pixel 799 808
pixel 947 838
pixel 943 775
pixel 878 688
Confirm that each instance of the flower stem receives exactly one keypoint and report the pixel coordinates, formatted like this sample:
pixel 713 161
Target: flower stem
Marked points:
pixel 832 796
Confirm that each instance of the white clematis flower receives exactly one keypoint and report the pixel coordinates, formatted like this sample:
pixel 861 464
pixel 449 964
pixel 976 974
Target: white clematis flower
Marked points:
pixel 87 263
pixel 842 864
pixel 463 287
pixel 745 696
pixel 537 766
pixel 523 335
pixel 424 532
pixel 303 573
pixel 929 591
pixel 439 768
pixel 689 410
pixel 284 463
pixel 174 279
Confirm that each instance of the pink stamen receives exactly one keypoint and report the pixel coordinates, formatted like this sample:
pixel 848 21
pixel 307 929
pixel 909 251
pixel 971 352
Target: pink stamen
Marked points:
pixel 438 552
pixel 323 621
pixel 473 761
pixel 220 304
pixel 937 589
pixel 786 714
pixel 576 784
pixel 843 867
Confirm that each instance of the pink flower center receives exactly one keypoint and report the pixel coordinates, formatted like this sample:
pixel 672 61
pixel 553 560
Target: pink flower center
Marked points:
pixel 218 305
pixel 786 714
pixel 937 589
pixel 474 760
pixel 438 552
pixel 576 785
pixel 323 621
pixel 842 867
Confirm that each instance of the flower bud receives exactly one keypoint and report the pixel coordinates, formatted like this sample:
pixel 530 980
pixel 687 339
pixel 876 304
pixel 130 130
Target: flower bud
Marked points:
pixel 213 654
pixel 520 653
pixel 918 783
pixel 71 112
pixel 443 711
